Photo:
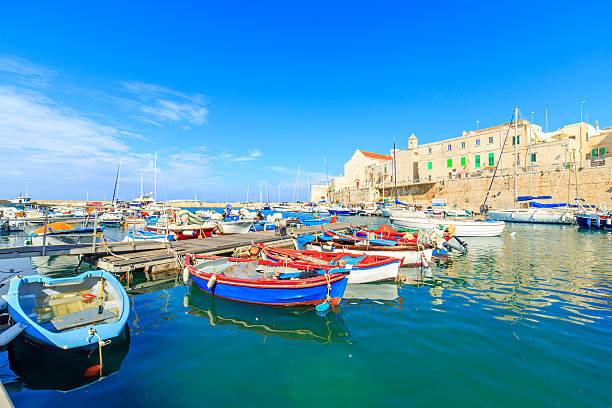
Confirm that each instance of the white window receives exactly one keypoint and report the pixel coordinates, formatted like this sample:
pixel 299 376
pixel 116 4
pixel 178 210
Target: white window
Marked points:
pixel 477 142
pixel 463 145
pixel 490 139
pixel 429 150
pixel 449 148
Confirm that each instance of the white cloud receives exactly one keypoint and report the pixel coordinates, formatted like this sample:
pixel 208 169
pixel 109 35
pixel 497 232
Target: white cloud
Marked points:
pixel 161 104
pixel 27 72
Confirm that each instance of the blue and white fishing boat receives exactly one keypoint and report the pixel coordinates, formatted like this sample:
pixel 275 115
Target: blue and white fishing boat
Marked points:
pixel 69 313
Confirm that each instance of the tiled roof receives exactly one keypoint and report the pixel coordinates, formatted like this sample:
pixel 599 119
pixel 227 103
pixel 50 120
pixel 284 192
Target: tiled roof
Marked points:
pixel 375 156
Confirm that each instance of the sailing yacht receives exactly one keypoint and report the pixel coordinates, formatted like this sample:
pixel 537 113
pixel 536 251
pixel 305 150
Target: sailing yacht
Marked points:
pixel 535 213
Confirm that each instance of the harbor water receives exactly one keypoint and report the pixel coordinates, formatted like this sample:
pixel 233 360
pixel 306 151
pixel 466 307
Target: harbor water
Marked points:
pixel 524 319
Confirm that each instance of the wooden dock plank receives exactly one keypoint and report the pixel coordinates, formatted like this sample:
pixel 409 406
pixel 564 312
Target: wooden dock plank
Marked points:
pixel 126 256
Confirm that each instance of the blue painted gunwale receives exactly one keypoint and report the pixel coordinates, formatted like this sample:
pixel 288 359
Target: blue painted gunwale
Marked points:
pixel 76 339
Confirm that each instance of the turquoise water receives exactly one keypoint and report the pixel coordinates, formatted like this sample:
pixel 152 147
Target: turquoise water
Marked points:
pixel 522 319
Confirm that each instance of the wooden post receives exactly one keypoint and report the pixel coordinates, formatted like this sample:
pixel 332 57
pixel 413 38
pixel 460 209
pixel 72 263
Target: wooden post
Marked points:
pixel 95 232
pixel 44 245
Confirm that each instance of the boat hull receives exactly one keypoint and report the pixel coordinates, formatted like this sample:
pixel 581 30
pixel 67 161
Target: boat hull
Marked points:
pixel 274 292
pixel 183 234
pixel 532 216
pixel 594 221
pixel 463 228
pixel 408 258
pixel 236 227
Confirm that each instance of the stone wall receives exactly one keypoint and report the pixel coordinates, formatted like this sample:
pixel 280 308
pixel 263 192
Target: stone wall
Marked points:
pixel 594 185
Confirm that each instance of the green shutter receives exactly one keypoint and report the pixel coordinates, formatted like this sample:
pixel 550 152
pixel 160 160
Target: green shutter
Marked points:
pixel 463 161
pixel 533 157
pixel 491 159
pixel 602 152
pixel 594 153
pixel 449 163
pixel 477 160
pixel 429 165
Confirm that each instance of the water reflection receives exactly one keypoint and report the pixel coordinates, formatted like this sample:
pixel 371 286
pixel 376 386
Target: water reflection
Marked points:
pixel 548 272
pixel 289 323
pixel 41 368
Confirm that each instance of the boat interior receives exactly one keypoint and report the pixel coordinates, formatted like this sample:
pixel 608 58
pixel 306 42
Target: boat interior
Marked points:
pixel 71 305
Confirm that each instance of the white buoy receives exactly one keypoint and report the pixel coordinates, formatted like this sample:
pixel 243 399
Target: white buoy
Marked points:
pixel 513 233
pixel 186 275
pixel 211 281
pixel 424 261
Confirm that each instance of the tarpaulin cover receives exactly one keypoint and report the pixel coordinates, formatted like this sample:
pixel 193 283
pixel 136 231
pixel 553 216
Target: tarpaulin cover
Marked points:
pixel 399 202
pixel 54 227
pixel 535 204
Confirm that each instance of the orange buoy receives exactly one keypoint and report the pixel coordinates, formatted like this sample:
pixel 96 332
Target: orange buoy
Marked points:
pixel 93 371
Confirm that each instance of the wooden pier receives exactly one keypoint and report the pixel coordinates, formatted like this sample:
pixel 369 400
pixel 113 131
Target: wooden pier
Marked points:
pixel 159 260
pixel 156 257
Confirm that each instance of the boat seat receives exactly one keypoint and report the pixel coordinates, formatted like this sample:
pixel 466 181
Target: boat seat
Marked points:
pixel 80 318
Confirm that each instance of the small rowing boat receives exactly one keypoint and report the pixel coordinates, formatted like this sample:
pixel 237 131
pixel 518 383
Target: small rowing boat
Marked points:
pixel 266 282
pixel 69 313
pixel 364 268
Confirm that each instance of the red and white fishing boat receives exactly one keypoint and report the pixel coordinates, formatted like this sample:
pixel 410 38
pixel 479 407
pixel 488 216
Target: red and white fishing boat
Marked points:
pixel 364 268
pixel 412 254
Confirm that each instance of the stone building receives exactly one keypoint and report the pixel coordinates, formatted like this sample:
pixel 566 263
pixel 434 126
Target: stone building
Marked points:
pixel 476 154
pixel 318 192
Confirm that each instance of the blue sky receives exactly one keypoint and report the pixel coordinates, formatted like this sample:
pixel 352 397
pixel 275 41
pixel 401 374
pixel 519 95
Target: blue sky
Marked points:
pixel 236 94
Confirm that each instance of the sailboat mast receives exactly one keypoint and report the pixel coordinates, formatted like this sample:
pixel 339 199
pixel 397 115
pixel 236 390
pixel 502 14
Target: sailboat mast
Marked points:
pixel 394 173
pixel 116 189
pixel 515 150
pixel 529 158
pixel 267 194
pixel 308 194
pixel 155 179
pixel 260 194
pixel 141 186
pixel 248 186
pixel 328 201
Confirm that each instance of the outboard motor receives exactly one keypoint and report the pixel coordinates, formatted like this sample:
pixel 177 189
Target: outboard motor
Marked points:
pixel 456 244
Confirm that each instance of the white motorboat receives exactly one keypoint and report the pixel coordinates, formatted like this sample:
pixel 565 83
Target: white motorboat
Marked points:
pixel 463 228
pixel 111 218
pixel 533 215
pixel 234 227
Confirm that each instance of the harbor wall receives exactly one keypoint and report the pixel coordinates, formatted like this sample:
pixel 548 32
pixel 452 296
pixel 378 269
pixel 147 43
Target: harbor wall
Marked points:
pixel 594 185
